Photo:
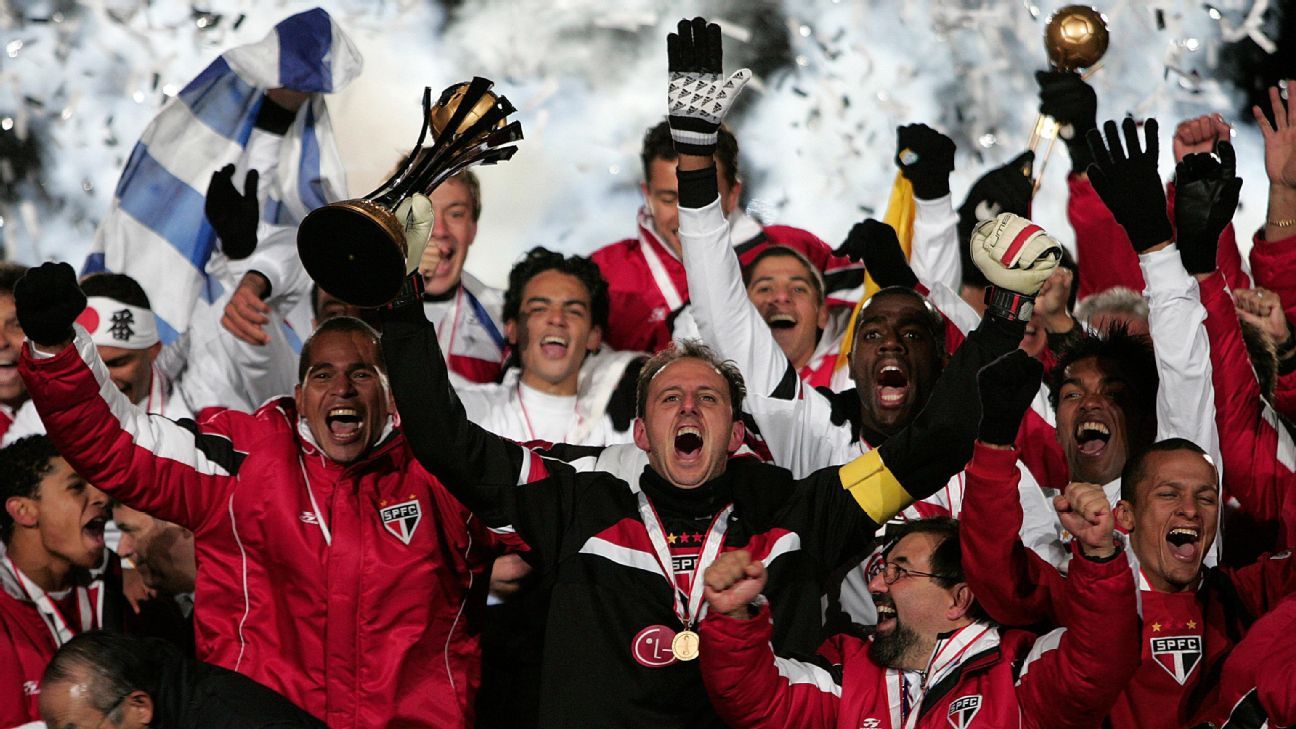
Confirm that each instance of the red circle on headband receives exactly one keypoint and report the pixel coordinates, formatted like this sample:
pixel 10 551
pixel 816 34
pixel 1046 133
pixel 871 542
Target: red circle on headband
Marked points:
pixel 89 319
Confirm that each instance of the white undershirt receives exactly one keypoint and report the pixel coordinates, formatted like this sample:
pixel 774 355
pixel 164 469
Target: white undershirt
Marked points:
pixel 548 417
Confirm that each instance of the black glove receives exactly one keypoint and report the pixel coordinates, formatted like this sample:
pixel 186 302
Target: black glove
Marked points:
pixel 876 244
pixel 233 216
pixel 48 300
pixel 1206 196
pixel 1072 102
pixel 926 158
pixel 1006 387
pixel 1130 185
pixel 1005 189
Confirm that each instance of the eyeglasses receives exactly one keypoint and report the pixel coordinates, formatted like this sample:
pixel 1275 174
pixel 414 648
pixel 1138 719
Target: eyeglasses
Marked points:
pixel 110 711
pixel 892 571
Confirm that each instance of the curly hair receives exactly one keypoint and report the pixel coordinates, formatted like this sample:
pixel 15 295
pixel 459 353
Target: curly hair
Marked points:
pixel 540 259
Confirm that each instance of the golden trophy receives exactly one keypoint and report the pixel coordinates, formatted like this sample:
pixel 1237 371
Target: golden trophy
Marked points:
pixel 1075 38
pixel 355 249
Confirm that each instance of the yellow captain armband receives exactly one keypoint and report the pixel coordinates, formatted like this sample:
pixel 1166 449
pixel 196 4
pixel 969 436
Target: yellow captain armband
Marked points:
pixel 874 487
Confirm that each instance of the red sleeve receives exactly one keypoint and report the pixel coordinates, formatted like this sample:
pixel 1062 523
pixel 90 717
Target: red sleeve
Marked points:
pixel 1040 452
pixel 147 462
pixel 749 689
pixel 1228 259
pixel 1273 263
pixel 1262 668
pixel 1103 250
pixel 1248 441
pixel 1077 683
pixel 1012 583
pixel 1264 583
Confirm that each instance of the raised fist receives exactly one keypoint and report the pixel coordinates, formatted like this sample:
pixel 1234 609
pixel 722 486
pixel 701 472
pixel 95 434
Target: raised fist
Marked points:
pixel 926 158
pixel 733 581
pixel 48 301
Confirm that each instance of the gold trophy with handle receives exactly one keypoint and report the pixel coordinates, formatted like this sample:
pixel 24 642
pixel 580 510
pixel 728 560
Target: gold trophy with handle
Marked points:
pixel 355 249
pixel 1076 38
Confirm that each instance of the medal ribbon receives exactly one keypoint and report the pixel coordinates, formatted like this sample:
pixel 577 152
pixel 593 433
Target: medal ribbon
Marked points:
pixel 49 612
pixel 691 612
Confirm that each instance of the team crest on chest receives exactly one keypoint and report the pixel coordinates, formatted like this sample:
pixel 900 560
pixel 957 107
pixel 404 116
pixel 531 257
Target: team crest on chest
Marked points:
pixel 401 519
pixel 1178 654
pixel 963 709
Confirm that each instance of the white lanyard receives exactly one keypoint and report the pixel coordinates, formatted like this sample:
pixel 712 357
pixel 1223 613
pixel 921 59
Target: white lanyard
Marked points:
pixel 692 612
pixel 935 673
pixel 674 298
pixel 319 515
pixel 49 612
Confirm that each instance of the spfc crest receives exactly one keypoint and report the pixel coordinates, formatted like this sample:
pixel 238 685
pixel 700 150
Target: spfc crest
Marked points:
pixel 402 519
pixel 963 709
pixel 1178 654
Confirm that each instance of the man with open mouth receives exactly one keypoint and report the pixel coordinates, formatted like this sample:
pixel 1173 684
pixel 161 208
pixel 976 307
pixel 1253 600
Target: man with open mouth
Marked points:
pixel 53 568
pixel 332 568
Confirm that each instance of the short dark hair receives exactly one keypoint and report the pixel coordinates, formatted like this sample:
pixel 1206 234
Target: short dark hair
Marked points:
pixel 946 559
pixel 336 324
pixel 112 665
pixel 540 259
pixel 10 272
pixel 933 319
pixel 690 349
pixel 816 276
pixel 1133 351
pixel 657 144
pixel 116 286
pixel 1136 467
pixel 23 464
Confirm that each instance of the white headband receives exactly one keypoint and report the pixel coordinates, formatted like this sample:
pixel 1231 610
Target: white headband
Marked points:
pixel 114 324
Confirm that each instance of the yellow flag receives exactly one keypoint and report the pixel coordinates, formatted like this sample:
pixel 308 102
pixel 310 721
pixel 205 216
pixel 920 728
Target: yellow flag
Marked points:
pixel 899 215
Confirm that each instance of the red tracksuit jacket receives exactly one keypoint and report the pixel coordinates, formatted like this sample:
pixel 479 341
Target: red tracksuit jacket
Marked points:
pixel 378 629
pixel 980 675
pixel 1185 636
pixel 1259 457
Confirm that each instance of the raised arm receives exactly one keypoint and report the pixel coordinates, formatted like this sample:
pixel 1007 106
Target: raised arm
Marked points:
pixel 481 469
pixel 148 462
pixel 749 686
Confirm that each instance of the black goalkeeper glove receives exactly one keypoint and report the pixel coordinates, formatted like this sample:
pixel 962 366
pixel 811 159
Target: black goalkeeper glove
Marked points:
pixel 926 158
pixel 233 216
pixel 699 95
pixel 1206 196
pixel 1129 184
pixel 48 301
pixel 1072 102
pixel 1006 387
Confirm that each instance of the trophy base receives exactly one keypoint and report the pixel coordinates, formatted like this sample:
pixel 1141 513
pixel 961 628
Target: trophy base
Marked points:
pixel 354 250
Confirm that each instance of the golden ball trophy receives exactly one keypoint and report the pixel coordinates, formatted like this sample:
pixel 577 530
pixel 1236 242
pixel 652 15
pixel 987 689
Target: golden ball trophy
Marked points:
pixel 1075 37
pixel 355 249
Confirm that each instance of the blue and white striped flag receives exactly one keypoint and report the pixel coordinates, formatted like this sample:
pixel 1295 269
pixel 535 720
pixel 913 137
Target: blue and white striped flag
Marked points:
pixel 156 230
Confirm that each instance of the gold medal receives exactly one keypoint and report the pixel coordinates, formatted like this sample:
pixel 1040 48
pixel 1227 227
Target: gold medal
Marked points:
pixel 685 645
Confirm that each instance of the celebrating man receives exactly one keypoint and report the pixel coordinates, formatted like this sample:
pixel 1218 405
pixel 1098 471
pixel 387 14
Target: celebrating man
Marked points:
pixel 318 491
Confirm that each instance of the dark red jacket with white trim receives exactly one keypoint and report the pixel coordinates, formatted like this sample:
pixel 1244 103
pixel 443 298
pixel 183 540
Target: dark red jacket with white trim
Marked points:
pixel 379 629
pixel 980 675
pixel 1185 636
